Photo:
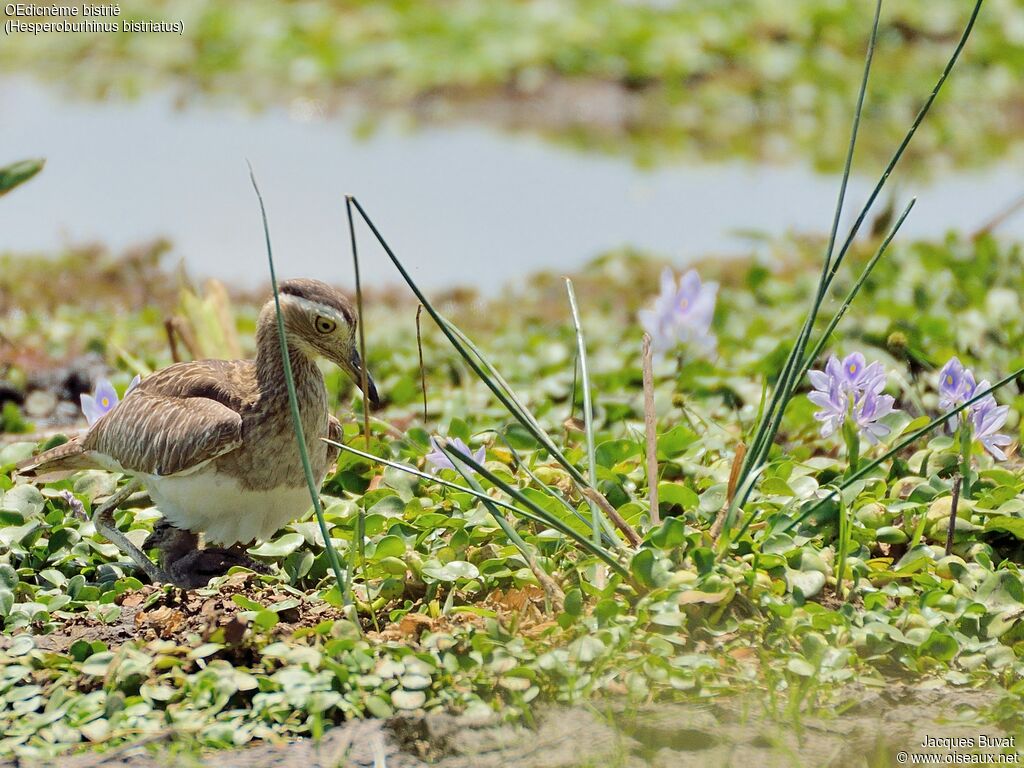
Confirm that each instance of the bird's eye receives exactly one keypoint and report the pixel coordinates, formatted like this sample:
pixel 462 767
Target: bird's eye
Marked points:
pixel 325 325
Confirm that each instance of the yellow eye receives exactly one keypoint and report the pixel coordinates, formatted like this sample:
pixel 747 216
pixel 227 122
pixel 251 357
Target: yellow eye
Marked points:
pixel 325 325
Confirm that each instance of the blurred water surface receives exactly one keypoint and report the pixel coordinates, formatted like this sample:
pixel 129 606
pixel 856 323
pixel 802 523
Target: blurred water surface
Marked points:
pixel 461 205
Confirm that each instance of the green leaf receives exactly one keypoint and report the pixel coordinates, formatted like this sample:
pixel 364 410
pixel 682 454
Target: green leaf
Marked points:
pixel 26 500
pixel 574 602
pixel 389 546
pixel 279 547
pixel 456 569
pixel 403 699
pixel 669 535
pixel 675 441
pixel 677 494
pixel 1012 525
pixel 612 452
pixel 18 173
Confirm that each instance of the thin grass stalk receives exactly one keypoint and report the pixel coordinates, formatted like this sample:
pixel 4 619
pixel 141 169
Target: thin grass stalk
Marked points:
pixel 510 404
pixel 915 435
pixel 535 513
pixel 433 478
pixel 823 340
pixel 293 402
pixel 588 410
pixel 423 369
pixel 743 490
pixel 730 493
pixel 650 428
pixel 552 591
pixel 953 504
pixel 363 384
pixel 786 384
pixel 848 164
pixel 364 387
pixel 844 546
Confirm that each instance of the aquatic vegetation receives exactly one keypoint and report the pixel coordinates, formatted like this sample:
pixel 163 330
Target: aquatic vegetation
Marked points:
pixel 987 419
pixel 16 174
pixel 435 561
pixel 956 387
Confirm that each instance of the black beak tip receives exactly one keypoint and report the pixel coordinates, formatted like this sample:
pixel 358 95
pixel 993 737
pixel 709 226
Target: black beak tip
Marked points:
pixel 372 396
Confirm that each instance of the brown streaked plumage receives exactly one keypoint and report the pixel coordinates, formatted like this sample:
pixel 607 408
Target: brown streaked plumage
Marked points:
pixel 212 440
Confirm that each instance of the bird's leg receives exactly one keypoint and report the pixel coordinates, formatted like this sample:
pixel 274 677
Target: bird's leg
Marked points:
pixel 103 519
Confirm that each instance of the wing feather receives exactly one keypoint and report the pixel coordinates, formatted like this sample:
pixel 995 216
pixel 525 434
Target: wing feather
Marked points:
pixel 163 435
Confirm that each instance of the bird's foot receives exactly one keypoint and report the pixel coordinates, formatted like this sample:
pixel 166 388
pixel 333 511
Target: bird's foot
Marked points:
pixel 196 568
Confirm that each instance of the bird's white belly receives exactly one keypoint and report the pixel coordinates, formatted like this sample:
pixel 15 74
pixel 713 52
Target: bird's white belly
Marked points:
pixel 217 506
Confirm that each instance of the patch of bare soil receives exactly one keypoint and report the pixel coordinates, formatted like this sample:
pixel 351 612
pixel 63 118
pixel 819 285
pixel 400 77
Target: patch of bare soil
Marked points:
pixel 153 613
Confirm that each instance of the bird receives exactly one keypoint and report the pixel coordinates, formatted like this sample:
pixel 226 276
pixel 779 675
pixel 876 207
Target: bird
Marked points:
pixel 213 441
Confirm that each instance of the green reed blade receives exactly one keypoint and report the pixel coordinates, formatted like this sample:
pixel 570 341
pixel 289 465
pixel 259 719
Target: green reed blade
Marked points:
pixel 514 493
pixel 536 514
pixel 826 335
pixel 456 458
pixel 293 402
pixel 606 538
pixel 599 520
pixel 765 434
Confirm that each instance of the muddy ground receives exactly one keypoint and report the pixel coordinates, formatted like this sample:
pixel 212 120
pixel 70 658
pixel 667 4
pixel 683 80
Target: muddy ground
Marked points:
pixel 719 733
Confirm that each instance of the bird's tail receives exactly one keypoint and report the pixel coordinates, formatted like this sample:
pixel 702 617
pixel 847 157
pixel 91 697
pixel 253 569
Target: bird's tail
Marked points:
pixel 55 463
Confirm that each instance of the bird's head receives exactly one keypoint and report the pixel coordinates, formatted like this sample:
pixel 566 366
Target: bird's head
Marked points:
pixel 319 321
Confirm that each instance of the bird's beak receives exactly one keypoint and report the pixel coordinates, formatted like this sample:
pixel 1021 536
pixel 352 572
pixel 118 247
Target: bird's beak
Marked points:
pixel 356 369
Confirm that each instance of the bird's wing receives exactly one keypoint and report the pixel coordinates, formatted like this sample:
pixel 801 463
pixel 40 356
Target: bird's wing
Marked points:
pixel 162 435
pixel 334 429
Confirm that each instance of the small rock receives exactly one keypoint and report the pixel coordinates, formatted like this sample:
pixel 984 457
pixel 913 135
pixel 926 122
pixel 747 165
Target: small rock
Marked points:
pixel 40 404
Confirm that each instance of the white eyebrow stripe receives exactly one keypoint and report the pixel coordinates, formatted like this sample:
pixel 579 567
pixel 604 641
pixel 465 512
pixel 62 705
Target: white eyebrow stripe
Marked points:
pixel 313 306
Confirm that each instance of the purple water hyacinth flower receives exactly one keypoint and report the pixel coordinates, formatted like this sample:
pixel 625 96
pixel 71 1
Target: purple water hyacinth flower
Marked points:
pixel 851 389
pixel 830 397
pixel 867 411
pixel 439 459
pixel 100 402
pixel 956 387
pixel 103 399
pixel 986 419
pixel 682 314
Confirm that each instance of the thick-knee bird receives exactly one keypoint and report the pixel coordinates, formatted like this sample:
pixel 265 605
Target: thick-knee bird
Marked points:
pixel 213 440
